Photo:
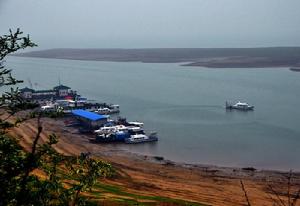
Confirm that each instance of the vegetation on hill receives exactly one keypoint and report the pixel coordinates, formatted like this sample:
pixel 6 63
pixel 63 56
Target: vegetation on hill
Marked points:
pixel 40 176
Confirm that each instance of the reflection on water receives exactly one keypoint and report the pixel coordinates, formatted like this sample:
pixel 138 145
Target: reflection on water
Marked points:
pixel 186 106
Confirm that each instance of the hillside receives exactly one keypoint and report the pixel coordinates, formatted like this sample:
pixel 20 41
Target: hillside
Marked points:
pixel 146 180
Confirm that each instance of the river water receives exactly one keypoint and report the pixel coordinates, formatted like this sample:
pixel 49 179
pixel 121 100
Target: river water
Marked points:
pixel 185 105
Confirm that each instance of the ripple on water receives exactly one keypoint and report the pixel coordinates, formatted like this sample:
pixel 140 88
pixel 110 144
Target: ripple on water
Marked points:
pixel 208 115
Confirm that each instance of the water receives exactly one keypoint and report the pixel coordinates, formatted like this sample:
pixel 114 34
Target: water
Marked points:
pixel 185 105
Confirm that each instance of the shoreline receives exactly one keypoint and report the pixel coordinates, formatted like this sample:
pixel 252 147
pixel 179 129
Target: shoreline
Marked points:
pixel 167 161
pixel 211 65
pixel 150 175
pixel 295 69
pixel 87 140
pixel 201 57
pixel 230 170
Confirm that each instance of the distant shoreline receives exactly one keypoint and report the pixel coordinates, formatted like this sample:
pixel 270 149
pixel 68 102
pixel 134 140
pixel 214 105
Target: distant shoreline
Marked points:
pixel 295 69
pixel 210 58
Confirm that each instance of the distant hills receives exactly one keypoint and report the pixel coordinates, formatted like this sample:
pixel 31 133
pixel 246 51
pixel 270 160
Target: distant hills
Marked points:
pixel 207 57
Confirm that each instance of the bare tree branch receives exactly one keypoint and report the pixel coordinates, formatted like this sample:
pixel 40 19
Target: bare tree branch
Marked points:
pixel 277 195
pixel 289 187
pixel 296 198
pixel 245 193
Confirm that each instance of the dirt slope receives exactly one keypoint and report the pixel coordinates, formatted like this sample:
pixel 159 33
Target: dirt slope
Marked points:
pixel 145 175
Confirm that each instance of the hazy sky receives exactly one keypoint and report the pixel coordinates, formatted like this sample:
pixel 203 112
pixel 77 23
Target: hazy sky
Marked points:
pixel 154 23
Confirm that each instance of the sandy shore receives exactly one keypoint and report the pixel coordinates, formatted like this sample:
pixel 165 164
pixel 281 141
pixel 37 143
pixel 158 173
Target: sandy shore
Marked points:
pixel 268 57
pixel 148 175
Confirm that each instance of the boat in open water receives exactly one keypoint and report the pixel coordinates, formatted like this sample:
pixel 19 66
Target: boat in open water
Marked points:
pixel 239 106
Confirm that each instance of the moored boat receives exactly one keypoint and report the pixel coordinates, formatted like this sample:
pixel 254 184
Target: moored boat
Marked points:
pixel 106 138
pixel 136 124
pixel 114 108
pixel 103 110
pixel 109 109
pixel 141 138
pixel 121 133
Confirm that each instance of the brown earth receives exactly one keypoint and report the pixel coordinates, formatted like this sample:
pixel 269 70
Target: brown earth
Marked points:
pixel 147 175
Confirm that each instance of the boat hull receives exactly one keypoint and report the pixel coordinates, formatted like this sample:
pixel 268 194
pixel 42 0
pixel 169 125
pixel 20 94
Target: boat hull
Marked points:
pixel 249 108
pixel 106 138
pixel 130 141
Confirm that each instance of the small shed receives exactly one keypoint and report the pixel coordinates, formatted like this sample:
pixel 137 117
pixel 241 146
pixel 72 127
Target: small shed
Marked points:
pixel 90 120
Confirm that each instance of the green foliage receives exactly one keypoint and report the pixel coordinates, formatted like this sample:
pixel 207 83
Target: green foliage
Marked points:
pixel 12 42
pixel 20 186
pixel 134 199
pixel 8 44
pixel 40 176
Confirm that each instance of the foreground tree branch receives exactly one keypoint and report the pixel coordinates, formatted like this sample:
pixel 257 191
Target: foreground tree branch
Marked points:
pixel 19 184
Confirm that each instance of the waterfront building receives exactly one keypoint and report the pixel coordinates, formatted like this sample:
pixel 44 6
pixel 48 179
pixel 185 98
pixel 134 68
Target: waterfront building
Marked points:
pixel 90 120
pixel 58 92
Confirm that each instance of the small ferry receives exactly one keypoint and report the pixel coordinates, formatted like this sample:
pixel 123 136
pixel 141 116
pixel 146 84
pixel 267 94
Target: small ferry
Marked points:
pixel 110 109
pixel 110 129
pixel 239 106
pixel 103 110
pixel 114 108
pixel 141 138
pixel 136 124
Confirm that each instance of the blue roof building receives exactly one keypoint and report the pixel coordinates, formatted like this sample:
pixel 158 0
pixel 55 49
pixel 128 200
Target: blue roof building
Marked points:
pixel 88 115
pixel 90 120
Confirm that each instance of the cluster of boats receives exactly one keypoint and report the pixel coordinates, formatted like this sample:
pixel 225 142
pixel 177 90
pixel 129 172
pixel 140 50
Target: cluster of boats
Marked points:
pixel 119 130
pixel 113 131
pixel 123 131
pixel 67 105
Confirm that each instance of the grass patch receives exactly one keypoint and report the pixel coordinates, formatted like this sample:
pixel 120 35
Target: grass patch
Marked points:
pixel 126 198
pixel 134 197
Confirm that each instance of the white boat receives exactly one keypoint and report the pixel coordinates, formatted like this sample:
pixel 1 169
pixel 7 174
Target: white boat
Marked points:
pixel 134 129
pixel 105 130
pixel 103 110
pixel 127 134
pixel 111 129
pixel 140 138
pixel 239 106
pixel 136 124
pixel 111 109
pixel 114 108
pixel 121 128
pixel 48 108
